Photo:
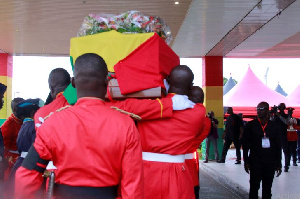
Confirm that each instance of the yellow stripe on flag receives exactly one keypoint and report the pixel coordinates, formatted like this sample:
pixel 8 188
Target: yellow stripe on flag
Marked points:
pixel 112 46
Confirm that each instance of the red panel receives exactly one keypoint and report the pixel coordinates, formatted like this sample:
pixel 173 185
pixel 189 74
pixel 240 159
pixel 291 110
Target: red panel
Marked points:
pixel 212 71
pixel 146 66
pixel 6 63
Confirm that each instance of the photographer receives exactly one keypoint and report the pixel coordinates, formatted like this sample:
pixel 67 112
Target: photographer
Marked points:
pixel 212 137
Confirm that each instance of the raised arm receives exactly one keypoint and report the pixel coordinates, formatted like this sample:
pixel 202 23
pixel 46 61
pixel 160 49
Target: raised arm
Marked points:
pixel 153 109
pixel 29 176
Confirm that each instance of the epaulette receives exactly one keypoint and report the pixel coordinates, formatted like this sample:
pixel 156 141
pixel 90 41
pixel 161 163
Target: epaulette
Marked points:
pixel 134 116
pixel 58 110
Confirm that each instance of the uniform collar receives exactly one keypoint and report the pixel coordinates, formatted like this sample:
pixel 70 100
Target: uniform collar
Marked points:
pixel 90 100
pixel 16 119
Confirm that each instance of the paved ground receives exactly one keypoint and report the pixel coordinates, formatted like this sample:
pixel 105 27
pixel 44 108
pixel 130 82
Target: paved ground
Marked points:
pixel 212 189
pixel 232 176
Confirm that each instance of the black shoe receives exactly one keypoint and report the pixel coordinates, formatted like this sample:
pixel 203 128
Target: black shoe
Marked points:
pixel 206 161
pixel 238 162
pixel 286 169
pixel 295 164
pixel 220 161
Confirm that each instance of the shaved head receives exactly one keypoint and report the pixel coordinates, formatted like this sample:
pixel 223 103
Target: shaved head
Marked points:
pixel 197 95
pixel 59 79
pixel 90 76
pixel 14 103
pixel 181 80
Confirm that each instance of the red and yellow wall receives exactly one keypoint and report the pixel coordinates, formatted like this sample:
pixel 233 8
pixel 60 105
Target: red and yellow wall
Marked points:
pixel 212 82
pixel 6 66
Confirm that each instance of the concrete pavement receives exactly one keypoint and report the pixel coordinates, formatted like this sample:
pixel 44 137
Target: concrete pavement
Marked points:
pixel 234 178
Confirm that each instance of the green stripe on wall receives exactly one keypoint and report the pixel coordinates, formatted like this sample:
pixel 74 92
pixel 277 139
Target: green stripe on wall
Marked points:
pixel 2 121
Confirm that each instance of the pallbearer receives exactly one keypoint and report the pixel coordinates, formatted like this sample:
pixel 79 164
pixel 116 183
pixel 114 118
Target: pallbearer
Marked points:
pixel 95 149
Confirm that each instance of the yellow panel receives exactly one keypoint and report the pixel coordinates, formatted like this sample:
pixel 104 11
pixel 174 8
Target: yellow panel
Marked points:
pixel 221 122
pixel 216 106
pixel 112 46
pixel 6 109
pixel 8 96
pixel 213 92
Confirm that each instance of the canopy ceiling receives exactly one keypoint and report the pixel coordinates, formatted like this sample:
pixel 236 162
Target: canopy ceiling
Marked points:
pixel 254 28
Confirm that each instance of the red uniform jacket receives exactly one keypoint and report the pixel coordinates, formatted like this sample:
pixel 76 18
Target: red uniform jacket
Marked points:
pixel 91 145
pixel 193 164
pixel 59 102
pixel 146 109
pixel 10 129
pixel 180 134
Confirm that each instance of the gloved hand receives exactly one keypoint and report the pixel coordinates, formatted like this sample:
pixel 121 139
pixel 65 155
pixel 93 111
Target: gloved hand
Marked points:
pixel 40 122
pixel 181 102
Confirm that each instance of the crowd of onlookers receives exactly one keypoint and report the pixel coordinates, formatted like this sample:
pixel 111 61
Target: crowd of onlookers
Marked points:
pixel 233 134
pixel 263 140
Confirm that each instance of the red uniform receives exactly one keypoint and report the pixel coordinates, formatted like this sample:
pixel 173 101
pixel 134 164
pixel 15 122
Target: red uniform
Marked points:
pixel 59 102
pixel 10 130
pixel 193 164
pixel 92 146
pixel 146 109
pixel 163 178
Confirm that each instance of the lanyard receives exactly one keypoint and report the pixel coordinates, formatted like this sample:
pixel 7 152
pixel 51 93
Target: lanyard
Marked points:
pixel 263 127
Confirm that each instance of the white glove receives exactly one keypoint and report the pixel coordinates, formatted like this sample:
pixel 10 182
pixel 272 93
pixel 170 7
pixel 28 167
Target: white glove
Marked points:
pixel 181 102
pixel 41 121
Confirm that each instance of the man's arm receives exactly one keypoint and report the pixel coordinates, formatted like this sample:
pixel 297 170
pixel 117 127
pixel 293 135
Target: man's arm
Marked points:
pixel 277 148
pixel 153 109
pixel 206 129
pixel 29 176
pixel 215 123
pixel 6 133
pixel 246 147
pixel 132 167
pixel 241 126
pixel 146 109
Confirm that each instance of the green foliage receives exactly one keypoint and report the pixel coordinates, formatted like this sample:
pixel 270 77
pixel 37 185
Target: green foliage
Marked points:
pixel 225 81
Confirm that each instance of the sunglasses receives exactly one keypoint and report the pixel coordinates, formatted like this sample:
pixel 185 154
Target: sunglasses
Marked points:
pixel 261 108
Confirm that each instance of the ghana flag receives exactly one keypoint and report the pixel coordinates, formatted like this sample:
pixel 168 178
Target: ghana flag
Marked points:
pixel 6 63
pixel 140 61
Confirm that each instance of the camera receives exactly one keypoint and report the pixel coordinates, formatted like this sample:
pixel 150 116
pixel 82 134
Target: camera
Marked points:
pixel 274 109
pixel 209 115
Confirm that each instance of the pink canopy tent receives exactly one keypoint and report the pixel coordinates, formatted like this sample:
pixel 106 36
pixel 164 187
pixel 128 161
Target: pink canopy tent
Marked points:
pixel 294 97
pixel 245 96
pixel 250 91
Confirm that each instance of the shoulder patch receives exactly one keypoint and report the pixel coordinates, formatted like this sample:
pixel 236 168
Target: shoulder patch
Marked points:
pixel 58 110
pixel 134 116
